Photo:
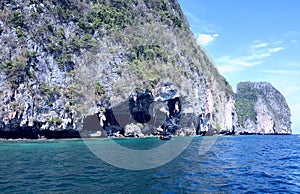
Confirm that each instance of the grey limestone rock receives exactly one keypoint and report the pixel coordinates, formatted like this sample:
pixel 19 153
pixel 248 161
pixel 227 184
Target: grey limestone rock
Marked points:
pixel 262 109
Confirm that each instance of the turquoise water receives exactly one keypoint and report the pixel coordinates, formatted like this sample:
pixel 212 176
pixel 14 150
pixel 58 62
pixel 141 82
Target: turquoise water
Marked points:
pixel 235 164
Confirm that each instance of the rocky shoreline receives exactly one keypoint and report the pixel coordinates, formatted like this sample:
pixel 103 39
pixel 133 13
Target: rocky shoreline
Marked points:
pixel 142 115
pixel 76 135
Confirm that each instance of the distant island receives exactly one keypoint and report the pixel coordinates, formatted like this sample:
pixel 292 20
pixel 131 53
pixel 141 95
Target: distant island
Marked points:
pixel 106 68
pixel 262 109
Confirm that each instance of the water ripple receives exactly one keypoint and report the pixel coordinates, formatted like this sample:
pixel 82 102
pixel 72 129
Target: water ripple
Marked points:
pixel 243 164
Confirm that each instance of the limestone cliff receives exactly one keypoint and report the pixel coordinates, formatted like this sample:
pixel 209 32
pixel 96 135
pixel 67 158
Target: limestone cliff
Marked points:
pixel 62 61
pixel 262 109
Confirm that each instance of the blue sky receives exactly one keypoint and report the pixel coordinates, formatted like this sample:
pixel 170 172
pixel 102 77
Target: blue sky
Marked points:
pixel 257 40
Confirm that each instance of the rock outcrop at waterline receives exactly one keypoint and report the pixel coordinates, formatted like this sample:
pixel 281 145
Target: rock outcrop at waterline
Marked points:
pixel 63 61
pixel 262 109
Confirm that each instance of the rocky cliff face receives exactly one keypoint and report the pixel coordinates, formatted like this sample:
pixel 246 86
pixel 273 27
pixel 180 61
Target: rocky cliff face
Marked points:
pixel 123 62
pixel 262 109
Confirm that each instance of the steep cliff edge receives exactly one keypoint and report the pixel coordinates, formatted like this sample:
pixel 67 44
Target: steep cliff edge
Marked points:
pixel 262 109
pixel 62 61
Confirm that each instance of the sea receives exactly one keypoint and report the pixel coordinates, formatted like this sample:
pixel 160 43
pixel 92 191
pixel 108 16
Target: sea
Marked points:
pixel 226 164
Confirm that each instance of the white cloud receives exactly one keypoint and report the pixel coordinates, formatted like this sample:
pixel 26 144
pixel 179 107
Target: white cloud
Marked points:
pixel 274 50
pixel 258 53
pixel 260 45
pixel 234 64
pixel 262 53
pixel 228 68
pixel 238 61
pixel 205 39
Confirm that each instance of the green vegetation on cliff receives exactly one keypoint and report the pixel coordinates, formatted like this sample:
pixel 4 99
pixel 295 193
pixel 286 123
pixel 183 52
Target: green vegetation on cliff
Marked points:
pixel 246 98
pixel 56 54
pixel 46 22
